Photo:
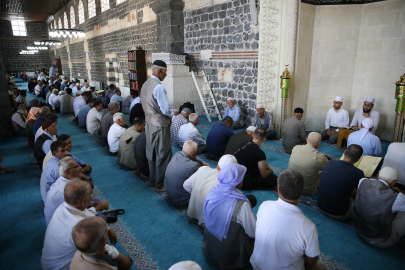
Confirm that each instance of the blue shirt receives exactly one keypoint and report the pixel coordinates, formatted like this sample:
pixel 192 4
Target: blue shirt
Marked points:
pixel 49 176
pixel 82 115
pixel 46 90
pixel 57 83
pixel 217 139
pixel 37 124
pixel 371 144
pixel 78 160
pixel 46 147
pixel 189 132
pixel 234 113
pixel 62 86
pixel 160 94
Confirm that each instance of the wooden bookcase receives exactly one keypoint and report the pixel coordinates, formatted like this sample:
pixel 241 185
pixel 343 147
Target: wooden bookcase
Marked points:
pixel 58 64
pixel 136 69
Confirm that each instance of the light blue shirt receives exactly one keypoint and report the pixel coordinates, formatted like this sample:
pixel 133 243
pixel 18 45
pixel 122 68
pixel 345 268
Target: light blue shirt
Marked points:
pixel 234 113
pixel 134 102
pixel 189 132
pixel 49 176
pixel 117 98
pixel 160 94
pixel 51 72
pixel 82 115
pixel 46 147
pixel 78 160
pixel 371 144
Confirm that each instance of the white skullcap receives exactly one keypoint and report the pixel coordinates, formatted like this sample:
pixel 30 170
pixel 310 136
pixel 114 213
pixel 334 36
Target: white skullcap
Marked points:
pixel 77 84
pixel 61 93
pixel 79 92
pixel 370 99
pixel 388 174
pixel 230 99
pixel 251 128
pixel 367 124
pixel 339 98
pixel 259 105
pixel 186 265
pixel 65 87
pixel 226 159
pixel 92 85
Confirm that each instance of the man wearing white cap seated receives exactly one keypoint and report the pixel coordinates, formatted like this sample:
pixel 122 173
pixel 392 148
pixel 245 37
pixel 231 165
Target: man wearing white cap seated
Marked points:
pixel 85 87
pixel 235 112
pixel 75 88
pixel 264 120
pixel 92 90
pixel 336 117
pixel 369 142
pixel 367 112
pixel 379 210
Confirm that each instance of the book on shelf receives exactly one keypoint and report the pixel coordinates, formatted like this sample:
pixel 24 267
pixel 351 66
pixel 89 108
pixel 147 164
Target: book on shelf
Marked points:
pixel 132 76
pixel 132 56
pixel 367 164
pixel 134 85
pixel 132 65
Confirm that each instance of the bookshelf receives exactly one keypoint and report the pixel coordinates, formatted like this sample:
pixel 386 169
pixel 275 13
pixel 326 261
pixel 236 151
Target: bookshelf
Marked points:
pixel 136 69
pixel 58 64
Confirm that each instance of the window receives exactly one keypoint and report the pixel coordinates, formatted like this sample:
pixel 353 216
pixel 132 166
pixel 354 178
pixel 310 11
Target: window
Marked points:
pixel 19 28
pixel 65 22
pixel 72 18
pixel 92 8
pixel 59 24
pixel 120 1
pixel 81 12
pixel 105 5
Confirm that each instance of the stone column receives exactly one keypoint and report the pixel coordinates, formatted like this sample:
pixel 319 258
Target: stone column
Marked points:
pixel 170 25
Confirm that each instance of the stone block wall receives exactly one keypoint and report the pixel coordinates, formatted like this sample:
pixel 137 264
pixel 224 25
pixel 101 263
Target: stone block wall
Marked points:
pixel 12 45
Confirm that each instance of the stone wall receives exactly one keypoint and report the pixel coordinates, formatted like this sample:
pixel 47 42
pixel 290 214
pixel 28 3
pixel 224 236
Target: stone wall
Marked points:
pixel 11 46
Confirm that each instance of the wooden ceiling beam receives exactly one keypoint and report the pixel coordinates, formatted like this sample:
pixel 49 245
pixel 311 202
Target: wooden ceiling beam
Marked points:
pixel 9 16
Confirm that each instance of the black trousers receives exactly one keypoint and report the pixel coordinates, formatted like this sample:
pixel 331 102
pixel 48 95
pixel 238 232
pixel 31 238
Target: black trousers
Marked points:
pixel 201 149
pixel 258 182
pixel 252 199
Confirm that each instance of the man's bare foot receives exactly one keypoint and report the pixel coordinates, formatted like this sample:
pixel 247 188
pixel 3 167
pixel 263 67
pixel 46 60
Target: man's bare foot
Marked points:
pixel 137 171
pixel 7 170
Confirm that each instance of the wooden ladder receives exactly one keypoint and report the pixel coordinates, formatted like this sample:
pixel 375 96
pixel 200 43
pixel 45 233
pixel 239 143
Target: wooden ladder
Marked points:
pixel 214 102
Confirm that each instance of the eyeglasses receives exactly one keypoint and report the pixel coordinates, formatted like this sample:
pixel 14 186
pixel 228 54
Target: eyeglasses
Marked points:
pixel 74 167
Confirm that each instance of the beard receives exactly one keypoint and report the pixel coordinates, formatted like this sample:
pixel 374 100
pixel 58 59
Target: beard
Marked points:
pixel 24 112
pixel 366 111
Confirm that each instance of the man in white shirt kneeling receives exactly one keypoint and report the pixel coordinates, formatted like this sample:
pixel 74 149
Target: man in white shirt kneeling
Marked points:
pixel 115 132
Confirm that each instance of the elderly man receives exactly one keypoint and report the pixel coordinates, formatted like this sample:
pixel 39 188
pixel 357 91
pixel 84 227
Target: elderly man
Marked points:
pixel 65 102
pixel 285 238
pixel 90 239
pixel 339 179
pixel 79 102
pixel 58 248
pixel 264 120
pixel 18 120
pixel 85 87
pixel 308 161
pixel 75 88
pixel 177 122
pixel 379 210
pixel 366 139
pixel 82 115
pixel 239 138
pixel 107 120
pixel 43 112
pixel 183 164
pixel 135 101
pixel 93 118
pixel 156 106
pixel 38 88
pixel 115 132
pixel 92 90
pixel 218 137
pixel 189 132
pixel 253 158
pixel 336 117
pixel 235 112
pixel 367 112
pixel 63 84
pixel 52 97
pixel 126 103
pixel 293 132
pixel 126 144
pixel 43 143
pixel 140 155
pixel 51 173
pixel 117 97
pixel 395 158
pixel 230 224
pixel 51 117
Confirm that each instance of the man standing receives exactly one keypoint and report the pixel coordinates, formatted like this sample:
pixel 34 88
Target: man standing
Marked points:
pixel 93 118
pixel 370 143
pixel 264 120
pixel 155 103
pixel 189 132
pixel 177 122
pixel 235 112
pixel 52 73
pixel 336 117
pixel 126 144
pixel 293 132
pixel 360 115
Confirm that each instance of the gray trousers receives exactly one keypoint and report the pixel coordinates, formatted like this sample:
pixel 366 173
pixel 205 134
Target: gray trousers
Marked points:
pixel 238 125
pixel 332 139
pixel 158 152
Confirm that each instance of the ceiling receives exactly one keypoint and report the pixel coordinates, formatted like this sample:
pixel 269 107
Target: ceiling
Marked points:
pixel 29 10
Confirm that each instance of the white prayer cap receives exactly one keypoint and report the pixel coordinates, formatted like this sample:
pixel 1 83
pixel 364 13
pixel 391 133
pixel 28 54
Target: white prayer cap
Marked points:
pixel 370 99
pixel 77 84
pixel 251 128
pixel 61 93
pixel 186 265
pixel 226 159
pixel 65 88
pixel 92 85
pixel 259 105
pixel 339 98
pixel 388 174
pixel 230 99
pixel 79 92
pixel 367 124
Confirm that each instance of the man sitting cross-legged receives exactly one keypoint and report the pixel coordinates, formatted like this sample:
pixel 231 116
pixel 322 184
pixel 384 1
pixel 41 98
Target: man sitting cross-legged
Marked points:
pixel 339 179
pixel 69 170
pixel 379 210
pixel 82 115
pixel 90 238
pixel 177 122
pixel 115 132
pixel 239 138
pixel 93 118
pixel 140 155
pixel 126 144
pixel 249 154
pixel 58 248
pixel 218 138
pixel 230 224
pixel 189 132
pixel 308 161
pixel 285 238
pixel 183 164
pixel 107 119
pixel 200 184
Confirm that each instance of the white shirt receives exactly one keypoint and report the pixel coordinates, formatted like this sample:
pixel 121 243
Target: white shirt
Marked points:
pixel 283 235
pixel 18 119
pixel 51 99
pixel 113 137
pixel 135 101
pixel 189 132
pixel 84 89
pixel 358 118
pixel 93 120
pixel 56 101
pixel 395 158
pixel 38 89
pixel 59 248
pixel 337 119
pixel 74 91
pixel 78 103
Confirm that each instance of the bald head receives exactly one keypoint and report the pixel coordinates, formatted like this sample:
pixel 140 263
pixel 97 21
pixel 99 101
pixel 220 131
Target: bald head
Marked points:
pixel 75 192
pixel 88 233
pixel 314 139
pixel 190 147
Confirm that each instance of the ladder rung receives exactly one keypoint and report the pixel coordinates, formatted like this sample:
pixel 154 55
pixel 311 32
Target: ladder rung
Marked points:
pixel 210 106
pixel 213 114
pixel 198 75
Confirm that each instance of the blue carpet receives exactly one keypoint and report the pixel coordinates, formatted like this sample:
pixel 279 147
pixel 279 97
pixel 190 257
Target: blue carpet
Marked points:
pixel 152 232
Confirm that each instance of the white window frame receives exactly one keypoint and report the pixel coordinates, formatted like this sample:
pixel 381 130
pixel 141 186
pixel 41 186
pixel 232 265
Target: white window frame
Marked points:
pixel 120 2
pixel 105 5
pixel 92 8
pixel 19 28
pixel 72 17
pixel 81 12
pixel 60 24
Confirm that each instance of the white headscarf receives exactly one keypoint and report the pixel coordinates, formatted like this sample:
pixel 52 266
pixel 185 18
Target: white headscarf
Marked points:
pixel 185 265
pixel 367 124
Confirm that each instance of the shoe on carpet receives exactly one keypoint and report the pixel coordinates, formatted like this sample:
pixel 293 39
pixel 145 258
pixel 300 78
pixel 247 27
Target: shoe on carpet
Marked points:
pixel 162 189
pixel 149 184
